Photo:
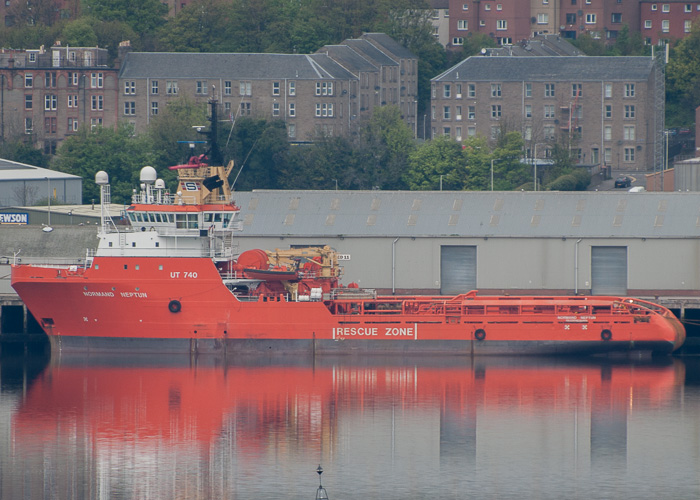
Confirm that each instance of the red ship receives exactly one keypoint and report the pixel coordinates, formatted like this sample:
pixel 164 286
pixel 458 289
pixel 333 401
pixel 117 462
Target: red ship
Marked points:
pixel 170 281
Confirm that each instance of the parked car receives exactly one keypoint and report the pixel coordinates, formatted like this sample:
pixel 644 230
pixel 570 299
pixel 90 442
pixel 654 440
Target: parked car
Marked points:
pixel 623 182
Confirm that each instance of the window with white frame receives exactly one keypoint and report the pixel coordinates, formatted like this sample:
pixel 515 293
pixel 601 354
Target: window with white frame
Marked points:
pixel 130 108
pixel 276 88
pixel 628 133
pixel 629 111
pixel 495 111
pixel 154 87
pixel 528 90
pixel 665 26
pixel 171 87
pixel 629 89
pixel 95 122
pixel 72 100
pixel 72 124
pixel 154 108
pixel 446 113
pixel 50 102
pixel 487 6
pixel 647 24
pixel 629 155
pixel 666 7
pixel 97 103
pixel 291 130
pixel 542 18
pixel 549 89
pixel 201 87
pixel 549 111
pixel 548 131
pixel 292 112
pixel 688 8
pixel 129 87
pixel 495 90
pixel 324 88
pixel 576 89
pixel 528 111
pixel 653 6
pixel 462 24
pixel 608 90
pixel 607 133
pixel 458 40
pixel 471 131
pixel 275 109
pixel 73 78
pixel 96 80
pixel 28 125
pixel 245 88
pixel 590 18
pixel 687 26
pixel 228 87
pixel 28 80
pixel 501 24
pixel 292 86
pixel 446 90
pixel 471 113
pixel 608 111
pixel 499 6
pixel 28 101
pixel 458 112
pixel 471 90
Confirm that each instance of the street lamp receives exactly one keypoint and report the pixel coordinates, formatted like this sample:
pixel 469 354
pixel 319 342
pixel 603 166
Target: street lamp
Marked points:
pixel 48 228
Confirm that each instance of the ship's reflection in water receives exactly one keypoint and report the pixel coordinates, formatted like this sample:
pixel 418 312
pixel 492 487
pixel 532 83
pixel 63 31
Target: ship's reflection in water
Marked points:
pixel 123 428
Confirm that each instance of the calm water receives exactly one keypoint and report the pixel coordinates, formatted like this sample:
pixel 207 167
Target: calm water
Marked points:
pixel 124 428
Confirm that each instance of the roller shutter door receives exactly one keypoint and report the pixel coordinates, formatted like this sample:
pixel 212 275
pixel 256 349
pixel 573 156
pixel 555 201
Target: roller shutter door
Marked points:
pixel 457 269
pixel 609 270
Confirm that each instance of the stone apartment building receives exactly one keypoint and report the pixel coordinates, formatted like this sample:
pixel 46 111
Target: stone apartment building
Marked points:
pixel 330 92
pixel 46 95
pixel 608 109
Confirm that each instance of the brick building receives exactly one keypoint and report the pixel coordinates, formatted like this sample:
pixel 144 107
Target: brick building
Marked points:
pixel 667 20
pixel 48 94
pixel 511 21
pixel 605 108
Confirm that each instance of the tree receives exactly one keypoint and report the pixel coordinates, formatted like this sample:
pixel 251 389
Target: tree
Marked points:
pixel 589 45
pixel 388 142
pixel 683 80
pixel 79 33
pixel 144 16
pixel 511 171
pixel 200 27
pixel 117 152
pixel 436 164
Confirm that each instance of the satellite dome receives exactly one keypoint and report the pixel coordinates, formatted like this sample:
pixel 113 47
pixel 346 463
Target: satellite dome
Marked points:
pixel 148 175
pixel 101 177
pixel 160 184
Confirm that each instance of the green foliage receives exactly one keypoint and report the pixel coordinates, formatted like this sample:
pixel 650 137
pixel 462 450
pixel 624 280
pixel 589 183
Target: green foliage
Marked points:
pixel 577 180
pixel 170 126
pixel 589 45
pixel 79 33
pixel 436 160
pixel 387 141
pixel 23 153
pixel 117 152
pixel 629 43
pixel 683 80
pixel 143 16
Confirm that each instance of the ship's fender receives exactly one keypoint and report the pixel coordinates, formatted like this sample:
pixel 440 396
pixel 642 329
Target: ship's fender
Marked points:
pixel 174 306
pixel 480 334
pixel 606 335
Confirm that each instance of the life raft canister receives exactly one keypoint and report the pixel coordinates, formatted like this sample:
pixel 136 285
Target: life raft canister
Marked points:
pixel 174 306
pixel 480 334
pixel 606 335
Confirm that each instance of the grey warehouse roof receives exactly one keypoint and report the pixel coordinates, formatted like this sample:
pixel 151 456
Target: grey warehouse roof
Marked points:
pixel 12 170
pixel 470 214
pixel 542 69
pixel 227 65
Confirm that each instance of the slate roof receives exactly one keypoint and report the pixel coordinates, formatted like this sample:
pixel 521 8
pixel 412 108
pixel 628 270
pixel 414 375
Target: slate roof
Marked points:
pixel 348 58
pixel 370 52
pixel 231 65
pixel 389 44
pixel 470 214
pixel 542 69
pixel 540 45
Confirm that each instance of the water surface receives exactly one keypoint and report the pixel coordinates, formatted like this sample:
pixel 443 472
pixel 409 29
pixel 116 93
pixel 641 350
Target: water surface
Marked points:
pixel 171 428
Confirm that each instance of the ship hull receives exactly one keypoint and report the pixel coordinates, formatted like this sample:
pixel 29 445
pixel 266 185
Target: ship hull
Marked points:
pixel 175 305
